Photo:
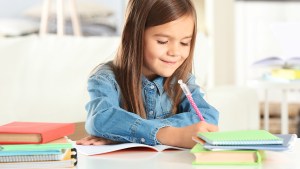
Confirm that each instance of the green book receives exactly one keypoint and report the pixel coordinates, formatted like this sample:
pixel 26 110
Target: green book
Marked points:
pixel 226 157
pixel 62 143
pixel 241 137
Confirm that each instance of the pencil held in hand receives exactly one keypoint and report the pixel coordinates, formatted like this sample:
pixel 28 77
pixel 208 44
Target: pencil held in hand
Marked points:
pixel 188 94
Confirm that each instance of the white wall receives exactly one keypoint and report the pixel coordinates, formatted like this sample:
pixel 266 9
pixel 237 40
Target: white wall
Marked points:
pixel 255 39
pixel 220 26
pixel 219 20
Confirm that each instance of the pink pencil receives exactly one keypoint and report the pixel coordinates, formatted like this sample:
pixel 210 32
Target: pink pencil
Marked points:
pixel 188 94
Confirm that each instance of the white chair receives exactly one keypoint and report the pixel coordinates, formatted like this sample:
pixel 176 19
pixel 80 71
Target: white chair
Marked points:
pixel 60 17
pixel 238 107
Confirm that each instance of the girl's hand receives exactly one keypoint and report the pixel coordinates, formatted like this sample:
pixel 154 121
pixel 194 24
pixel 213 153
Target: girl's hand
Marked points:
pixel 191 131
pixel 93 140
pixel 182 137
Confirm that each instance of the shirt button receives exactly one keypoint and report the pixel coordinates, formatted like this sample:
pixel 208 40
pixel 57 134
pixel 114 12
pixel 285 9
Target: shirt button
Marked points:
pixel 151 112
pixel 143 140
pixel 151 87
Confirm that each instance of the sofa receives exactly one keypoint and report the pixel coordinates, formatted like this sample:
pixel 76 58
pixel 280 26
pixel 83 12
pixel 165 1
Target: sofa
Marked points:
pixel 44 79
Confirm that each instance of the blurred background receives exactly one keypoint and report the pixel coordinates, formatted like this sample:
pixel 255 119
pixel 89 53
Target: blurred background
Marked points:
pixel 232 36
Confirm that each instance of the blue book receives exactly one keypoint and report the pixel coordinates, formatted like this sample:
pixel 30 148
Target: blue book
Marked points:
pixel 288 141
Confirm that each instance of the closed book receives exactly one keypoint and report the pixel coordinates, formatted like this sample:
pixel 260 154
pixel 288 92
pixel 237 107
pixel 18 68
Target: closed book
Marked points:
pixel 290 74
pixel 288 143
pixel 228 157
pixel 30 158
pixel 34 132
pixel 61 143
pixel 240 137
pixel 68 160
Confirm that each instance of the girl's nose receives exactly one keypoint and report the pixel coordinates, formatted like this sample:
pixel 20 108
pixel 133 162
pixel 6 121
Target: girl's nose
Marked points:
pixel 173 50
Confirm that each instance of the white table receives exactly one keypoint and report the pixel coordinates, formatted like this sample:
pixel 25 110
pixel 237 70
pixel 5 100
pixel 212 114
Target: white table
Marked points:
pixel 177 159
pixel 284 87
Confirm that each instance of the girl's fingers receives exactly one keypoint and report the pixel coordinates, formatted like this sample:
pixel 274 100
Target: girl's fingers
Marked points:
pixel 209 127
pixel 81 141
pixel 198 140
pixel 212 128
pixel 92 140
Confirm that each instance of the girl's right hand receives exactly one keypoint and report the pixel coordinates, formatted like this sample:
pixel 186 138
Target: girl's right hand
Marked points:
pixel 93 140
pixel 191 131
pixel 182 137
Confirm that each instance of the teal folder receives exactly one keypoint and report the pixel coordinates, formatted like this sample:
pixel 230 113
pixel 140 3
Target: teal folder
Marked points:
pixel 41 152
pixel 241 137
pixel 33 147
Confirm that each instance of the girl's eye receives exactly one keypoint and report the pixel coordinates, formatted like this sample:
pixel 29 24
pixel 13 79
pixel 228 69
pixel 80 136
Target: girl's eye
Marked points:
pixel 162 42
pixel 184 44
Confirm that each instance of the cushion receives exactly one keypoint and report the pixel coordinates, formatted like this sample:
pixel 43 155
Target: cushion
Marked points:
pixel 17 27
pixel 85 9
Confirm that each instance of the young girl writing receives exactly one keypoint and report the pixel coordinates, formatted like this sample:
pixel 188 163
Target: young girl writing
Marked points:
pixel 136 98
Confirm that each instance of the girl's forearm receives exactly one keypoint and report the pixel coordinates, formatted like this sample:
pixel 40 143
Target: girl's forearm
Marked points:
pixel 174 136
pixel 167 136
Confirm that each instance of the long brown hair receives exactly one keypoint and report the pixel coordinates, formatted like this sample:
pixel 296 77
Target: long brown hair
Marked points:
pixel 142 14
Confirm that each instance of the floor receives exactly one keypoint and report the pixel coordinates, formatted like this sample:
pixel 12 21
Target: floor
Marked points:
pixel 294 118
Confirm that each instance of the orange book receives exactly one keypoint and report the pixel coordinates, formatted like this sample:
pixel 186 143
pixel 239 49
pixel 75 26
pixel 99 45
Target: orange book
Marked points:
pixel 34 132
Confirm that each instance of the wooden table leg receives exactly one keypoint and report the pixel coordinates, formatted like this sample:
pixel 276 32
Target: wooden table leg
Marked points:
pixel 284 113
pixel 266 111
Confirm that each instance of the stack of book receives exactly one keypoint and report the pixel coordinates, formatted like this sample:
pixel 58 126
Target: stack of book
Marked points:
pixel 36 145
pixel 280 69
pixel 245 147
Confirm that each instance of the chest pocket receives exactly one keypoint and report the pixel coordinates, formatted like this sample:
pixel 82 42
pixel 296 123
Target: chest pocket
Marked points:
pixel 166 108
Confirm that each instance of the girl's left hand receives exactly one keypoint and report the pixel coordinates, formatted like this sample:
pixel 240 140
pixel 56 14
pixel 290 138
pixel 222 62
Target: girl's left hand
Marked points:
pixel 93 140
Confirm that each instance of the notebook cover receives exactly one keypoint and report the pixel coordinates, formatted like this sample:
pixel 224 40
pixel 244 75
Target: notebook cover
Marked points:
pixel 288 142
pixel 241 137
pixel 48 131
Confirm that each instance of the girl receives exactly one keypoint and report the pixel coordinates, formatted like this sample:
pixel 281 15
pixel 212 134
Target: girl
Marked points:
pixel 136 97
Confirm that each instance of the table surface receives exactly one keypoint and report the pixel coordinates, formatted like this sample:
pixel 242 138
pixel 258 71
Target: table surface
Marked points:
pixel 177 159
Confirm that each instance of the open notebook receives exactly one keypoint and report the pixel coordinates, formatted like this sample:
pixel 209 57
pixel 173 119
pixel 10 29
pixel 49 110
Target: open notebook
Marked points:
pixel 101 149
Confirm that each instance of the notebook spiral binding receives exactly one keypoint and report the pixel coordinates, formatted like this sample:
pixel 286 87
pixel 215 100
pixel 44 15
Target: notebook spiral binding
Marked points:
pixel 74 155
pixel 30 158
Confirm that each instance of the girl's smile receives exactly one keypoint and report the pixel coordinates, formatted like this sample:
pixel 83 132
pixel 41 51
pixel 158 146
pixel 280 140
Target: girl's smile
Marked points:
pixel 167 46
pixel 169 62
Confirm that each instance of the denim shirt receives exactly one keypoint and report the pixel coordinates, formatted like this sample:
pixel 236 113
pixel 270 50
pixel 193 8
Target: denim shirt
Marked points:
pixel 106 118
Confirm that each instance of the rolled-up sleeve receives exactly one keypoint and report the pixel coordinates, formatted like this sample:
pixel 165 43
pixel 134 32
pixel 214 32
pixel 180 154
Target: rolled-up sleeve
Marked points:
pixel 107 119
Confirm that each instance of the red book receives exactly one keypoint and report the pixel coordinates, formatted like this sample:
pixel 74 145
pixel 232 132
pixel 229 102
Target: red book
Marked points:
pixel 34 132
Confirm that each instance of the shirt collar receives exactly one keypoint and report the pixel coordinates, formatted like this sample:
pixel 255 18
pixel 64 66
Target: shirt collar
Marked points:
pixel 158 82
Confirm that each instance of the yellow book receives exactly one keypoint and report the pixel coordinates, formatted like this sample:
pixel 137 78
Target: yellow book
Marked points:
pixel 290 74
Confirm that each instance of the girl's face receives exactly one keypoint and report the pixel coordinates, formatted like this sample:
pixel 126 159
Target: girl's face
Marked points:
pixel 167 46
